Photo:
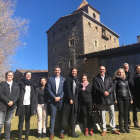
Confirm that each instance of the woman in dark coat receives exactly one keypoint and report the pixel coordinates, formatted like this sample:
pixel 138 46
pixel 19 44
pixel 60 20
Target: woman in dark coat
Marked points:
pixel 27 104
pixel 122 97
pixel 71 99
pixel 86 104
pixel 9 94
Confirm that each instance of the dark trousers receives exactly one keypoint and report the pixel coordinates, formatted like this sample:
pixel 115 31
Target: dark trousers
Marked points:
pixel 25 112
pixel 87 114
pixel 53 107
pixel 123 107
pixel 5 118
pixel 135 110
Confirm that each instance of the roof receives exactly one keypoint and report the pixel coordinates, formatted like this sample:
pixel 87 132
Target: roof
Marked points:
pixel 84 3
pixel 114 52
pixel 33 71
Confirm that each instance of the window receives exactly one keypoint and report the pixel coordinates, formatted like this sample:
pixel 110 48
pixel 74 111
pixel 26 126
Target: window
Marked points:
pixel 60 30
pixel 104 48
pixel 95 43
pixel 71 62
pixel 96 28
pixel 94 15
pixel 66 27
pixel 103 32
pixel 115 40
pixel 60 64
pixel 110 37
pixel 53 33
pixel 89 24
pixel 55 49
pixel 73 23
pixel 71 42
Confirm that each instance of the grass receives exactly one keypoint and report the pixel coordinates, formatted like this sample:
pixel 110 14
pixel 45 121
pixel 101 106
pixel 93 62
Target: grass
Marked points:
pixel 134 135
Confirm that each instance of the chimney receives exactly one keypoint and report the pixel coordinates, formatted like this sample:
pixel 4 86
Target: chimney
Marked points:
pixel 138 39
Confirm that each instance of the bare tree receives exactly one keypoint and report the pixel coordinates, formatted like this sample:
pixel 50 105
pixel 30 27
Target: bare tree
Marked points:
pixel 11 31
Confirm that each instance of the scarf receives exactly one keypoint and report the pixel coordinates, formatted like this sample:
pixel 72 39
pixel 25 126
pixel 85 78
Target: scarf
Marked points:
pixel 84 85
pixel 27 82
pixel 75 84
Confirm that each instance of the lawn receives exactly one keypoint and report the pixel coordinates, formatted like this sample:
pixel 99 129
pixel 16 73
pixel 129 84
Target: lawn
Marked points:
pixel 134 135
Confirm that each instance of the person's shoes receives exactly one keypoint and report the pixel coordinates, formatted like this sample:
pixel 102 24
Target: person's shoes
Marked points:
pixel 62 136
pixel 74 135
pixel 136 125
pixel 43 135
pixel 26 137
pixel 86 131
pixel 103 133
pixel 122 130
pixel 116 132
pixel 20 137
pixel 127 130
pixel 51 136
pixel 91 132
pixel 39 135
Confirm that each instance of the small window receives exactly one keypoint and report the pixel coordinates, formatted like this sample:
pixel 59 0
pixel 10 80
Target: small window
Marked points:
pixel 89 24
pixel 94 15
pixel 95 43
pixel 60 64
pixel 73 23
pixel 110 37
pixel 103 32
pixel 55 49
pixel 104 47
pixel 71 63
pixel 66 27
pixel 96 28
pixel 115 40
pixel 60 30
pixel 71 42
pixel 53 33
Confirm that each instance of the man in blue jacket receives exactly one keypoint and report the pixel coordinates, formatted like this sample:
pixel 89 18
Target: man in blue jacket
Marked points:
pixel 55 98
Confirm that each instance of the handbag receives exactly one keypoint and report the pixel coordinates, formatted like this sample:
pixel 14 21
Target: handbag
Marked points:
pixel 96 118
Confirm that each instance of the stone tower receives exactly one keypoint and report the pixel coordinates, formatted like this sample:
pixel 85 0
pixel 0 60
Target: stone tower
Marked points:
pixel 81 32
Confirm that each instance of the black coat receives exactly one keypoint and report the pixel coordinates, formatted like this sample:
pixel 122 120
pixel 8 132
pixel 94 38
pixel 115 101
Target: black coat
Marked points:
pixel 5 93
pixel 33 100
pixel 100 87
pixel 121 89
pixel 67 107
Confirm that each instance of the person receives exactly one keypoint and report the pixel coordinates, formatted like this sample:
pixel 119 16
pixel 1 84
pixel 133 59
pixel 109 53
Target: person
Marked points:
pixel 136 95
pixel 71 101
pixel 9 94
pixel 130 79
pixel 86 104
pixel 55 98
pixel 122 97
pixel 27 104
pixel 42 107
pixel 104 99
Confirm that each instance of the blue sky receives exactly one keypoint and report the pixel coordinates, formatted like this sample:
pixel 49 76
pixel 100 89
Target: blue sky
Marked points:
pixel 122 16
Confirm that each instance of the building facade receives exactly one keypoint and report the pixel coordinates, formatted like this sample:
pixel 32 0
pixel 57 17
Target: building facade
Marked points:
pixel 81 32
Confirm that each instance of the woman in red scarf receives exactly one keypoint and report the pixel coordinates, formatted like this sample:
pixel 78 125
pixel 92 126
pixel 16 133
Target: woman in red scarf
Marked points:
pixel 86 103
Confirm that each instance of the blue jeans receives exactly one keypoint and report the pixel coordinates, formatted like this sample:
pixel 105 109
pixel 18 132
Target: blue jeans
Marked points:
pixel 53 107
pixel 5 118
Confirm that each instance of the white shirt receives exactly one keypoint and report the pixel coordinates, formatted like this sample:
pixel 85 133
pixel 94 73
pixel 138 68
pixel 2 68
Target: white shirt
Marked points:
pixel 10 84
pixel 57 81
pixel 103 77
pixel 27 95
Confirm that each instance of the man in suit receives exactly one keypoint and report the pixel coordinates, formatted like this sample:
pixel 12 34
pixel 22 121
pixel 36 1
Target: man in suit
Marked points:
pixel 55 97
pixel 104 88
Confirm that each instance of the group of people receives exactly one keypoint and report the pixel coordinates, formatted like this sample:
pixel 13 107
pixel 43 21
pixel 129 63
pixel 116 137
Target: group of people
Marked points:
pixel 70 97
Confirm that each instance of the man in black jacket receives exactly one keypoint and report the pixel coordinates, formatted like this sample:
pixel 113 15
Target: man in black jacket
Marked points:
pixel 104 98
pixel 129 78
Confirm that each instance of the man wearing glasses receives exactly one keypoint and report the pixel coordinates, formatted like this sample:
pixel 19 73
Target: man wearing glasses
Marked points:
pixel 104 88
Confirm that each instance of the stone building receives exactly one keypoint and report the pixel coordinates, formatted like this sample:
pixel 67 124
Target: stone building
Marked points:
pixel 80 32
pixel 36 75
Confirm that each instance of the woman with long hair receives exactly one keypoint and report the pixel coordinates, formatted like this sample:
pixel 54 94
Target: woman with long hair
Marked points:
pixel 122 97
pixel 27 104
pixel 9 94
pixel 42 107
pixel 86 104
pixel 71 99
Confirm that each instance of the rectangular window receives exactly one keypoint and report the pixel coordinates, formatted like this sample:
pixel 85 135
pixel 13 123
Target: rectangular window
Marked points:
pixel 95 43
pixel 115 40
pixel 53 33
pixel 71 63
pixel 73 23
pixel 71 42
pixel 103 32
